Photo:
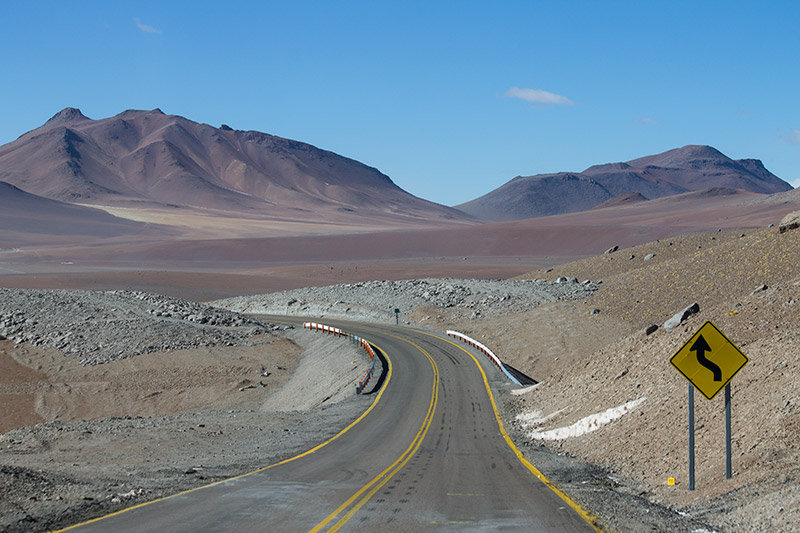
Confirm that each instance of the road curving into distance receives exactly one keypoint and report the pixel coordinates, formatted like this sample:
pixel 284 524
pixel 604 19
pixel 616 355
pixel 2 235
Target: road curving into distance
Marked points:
pixel 429 455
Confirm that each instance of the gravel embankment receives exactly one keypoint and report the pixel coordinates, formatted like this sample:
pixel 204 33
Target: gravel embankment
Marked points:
pixel 103 326
pixel 248 406
pixel 377 300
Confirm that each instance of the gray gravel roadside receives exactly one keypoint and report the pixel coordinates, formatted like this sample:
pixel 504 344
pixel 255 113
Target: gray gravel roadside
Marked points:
pixel 64 471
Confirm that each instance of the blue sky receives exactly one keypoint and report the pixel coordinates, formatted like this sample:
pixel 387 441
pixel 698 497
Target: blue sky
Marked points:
pixel 450 99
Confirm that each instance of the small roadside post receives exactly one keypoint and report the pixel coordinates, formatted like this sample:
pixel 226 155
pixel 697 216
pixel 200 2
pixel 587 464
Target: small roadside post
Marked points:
pixel 397 316
pixel 709 361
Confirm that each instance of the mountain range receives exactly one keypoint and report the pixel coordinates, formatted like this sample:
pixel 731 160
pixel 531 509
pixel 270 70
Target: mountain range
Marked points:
pixel 148 158
pixel 686 169
pixel 195 181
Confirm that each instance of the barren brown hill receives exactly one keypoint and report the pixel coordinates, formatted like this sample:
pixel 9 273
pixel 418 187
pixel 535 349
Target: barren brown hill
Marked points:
pixel 538 196
pixel 690 168
pixel 148 158
pixel 26 218
pixel 623 199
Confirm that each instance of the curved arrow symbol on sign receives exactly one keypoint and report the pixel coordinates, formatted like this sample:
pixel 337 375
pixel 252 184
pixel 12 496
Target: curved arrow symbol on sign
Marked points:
pixel 701 347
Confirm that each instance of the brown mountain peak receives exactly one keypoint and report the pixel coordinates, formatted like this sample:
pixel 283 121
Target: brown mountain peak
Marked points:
pixel 68 115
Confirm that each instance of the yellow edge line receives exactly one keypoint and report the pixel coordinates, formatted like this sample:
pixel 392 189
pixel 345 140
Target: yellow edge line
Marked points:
pixel 394 467
pixel 420 438
pixel 289 460
pixel 535 471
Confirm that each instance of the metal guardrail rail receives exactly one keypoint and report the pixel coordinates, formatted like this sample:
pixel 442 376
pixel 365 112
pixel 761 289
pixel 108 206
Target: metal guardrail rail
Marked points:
pixel 480 347
pixel 330 330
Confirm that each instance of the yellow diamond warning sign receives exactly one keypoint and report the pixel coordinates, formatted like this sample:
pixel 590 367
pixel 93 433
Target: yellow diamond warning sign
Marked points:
pixel 709 360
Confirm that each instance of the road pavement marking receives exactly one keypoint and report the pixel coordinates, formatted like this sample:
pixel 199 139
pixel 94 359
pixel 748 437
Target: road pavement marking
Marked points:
pixel 535 471
pixel 289 460
pixel 381 479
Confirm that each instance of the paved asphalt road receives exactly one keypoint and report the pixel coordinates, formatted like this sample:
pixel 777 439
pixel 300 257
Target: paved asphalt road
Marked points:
pixel 428 456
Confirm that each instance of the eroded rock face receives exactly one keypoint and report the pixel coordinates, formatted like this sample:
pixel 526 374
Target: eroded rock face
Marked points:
pixel 790 222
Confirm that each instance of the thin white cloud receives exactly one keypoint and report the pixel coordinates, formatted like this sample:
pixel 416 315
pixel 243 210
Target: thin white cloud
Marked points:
pixel 145 27
pixel 793 137
pixel 538 96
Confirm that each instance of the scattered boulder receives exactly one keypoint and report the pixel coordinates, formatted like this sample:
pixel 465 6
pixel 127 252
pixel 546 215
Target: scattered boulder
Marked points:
pixel 566 280
pixel 594 312
pixel 790 222
pixel 648 257
pixel 681 316
pixel 649 330
pixel 760 288
pixel 612 249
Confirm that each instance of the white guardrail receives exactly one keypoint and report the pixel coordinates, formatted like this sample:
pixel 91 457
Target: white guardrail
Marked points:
pixel 480 347
pixel 362 342
pixel 325 329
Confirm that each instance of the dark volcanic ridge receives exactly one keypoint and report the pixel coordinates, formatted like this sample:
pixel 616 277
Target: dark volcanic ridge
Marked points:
pixel 148 158
pixel 691 168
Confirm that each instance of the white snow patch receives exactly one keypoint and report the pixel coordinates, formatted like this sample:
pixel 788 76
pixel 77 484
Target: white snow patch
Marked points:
pixel 586 424
pixel 519 392
pixel 535 418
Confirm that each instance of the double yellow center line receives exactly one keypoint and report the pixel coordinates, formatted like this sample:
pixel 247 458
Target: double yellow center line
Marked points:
pixel 357 500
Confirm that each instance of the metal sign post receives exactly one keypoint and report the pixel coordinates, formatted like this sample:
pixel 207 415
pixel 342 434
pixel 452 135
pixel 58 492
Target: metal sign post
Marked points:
pixel 397 315
pixel 709 361
pixel 728 431
pixel 691 436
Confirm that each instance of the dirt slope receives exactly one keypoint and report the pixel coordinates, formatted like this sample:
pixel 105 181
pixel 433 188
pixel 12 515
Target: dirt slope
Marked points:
pixel 590 363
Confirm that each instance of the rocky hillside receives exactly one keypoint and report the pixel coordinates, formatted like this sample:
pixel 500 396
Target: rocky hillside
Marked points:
pixel 376 300
pixel 691 168
pixel 609 395
pixel 98 327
